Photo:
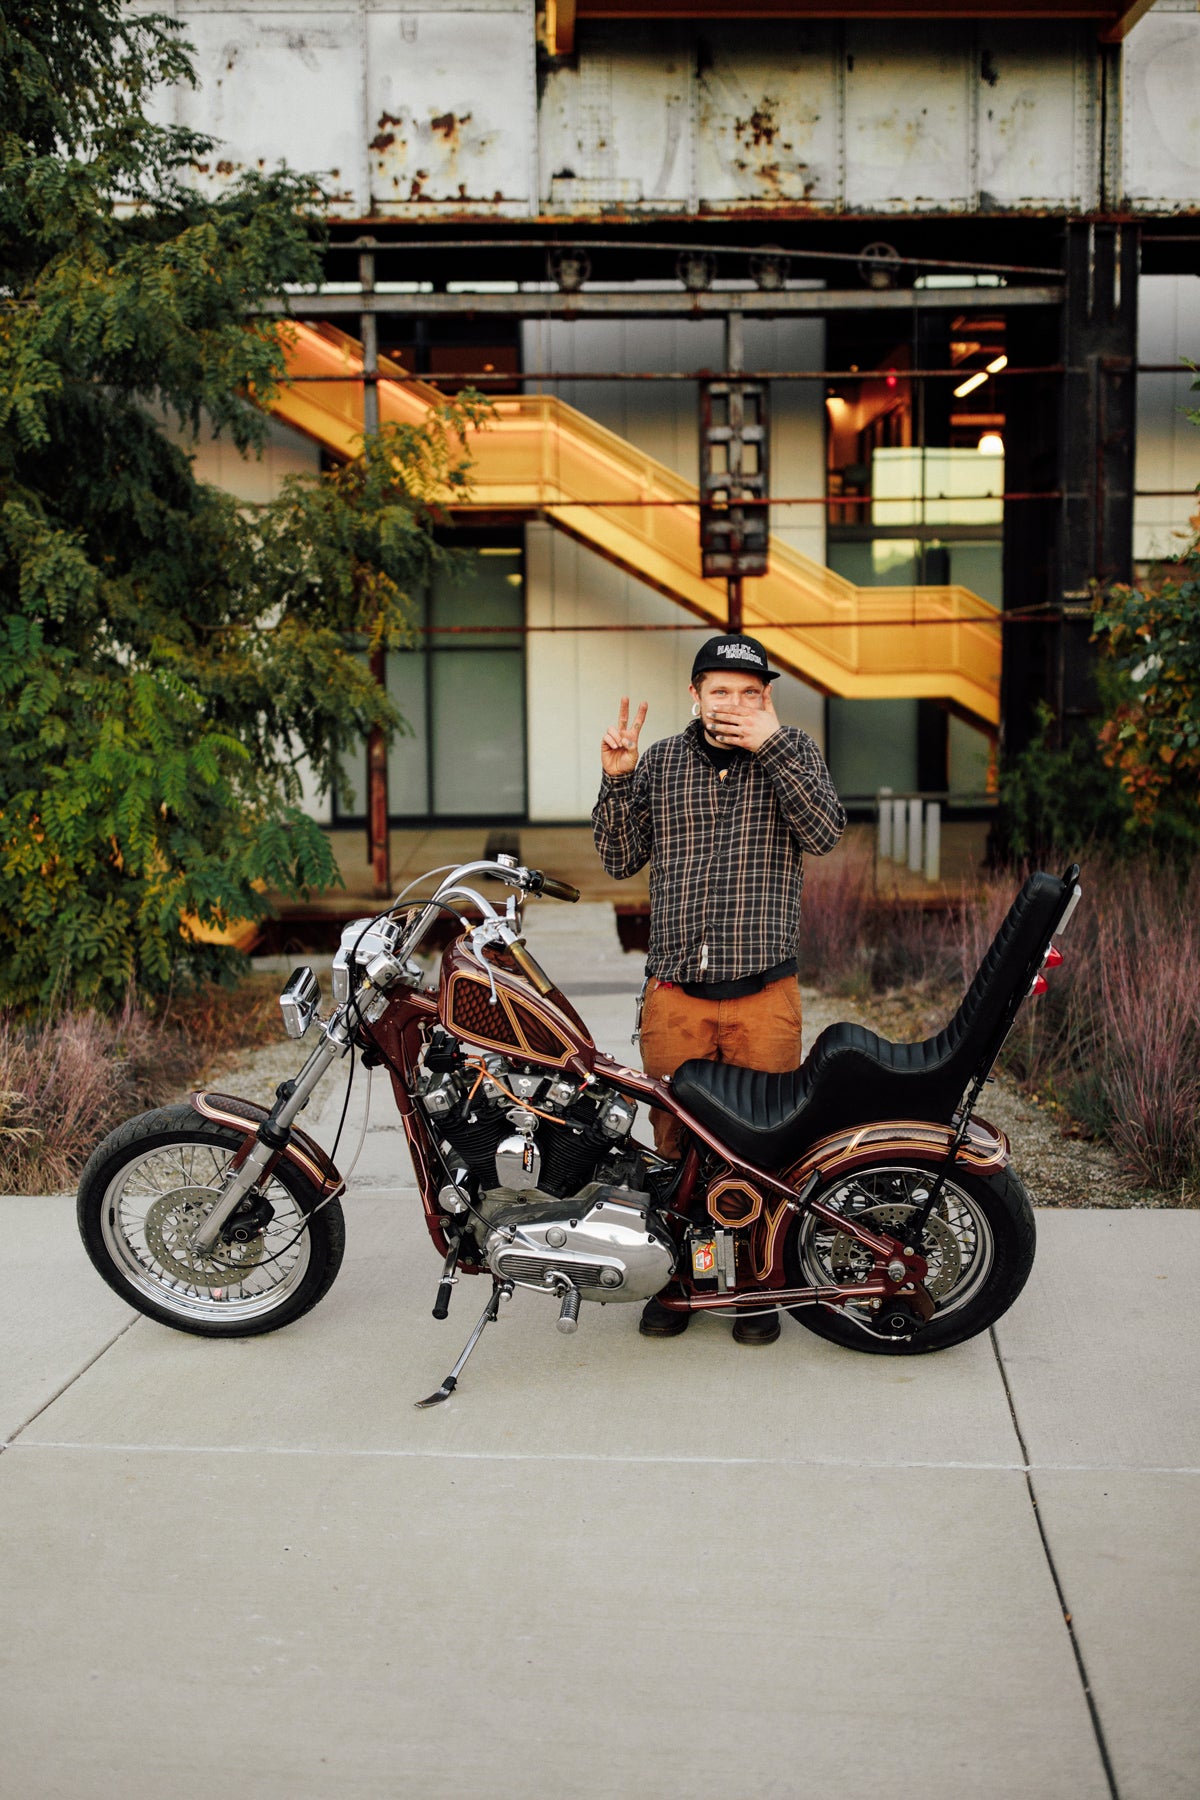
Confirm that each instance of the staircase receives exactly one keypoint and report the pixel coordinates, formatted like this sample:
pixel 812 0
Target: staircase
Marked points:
pixel 538 457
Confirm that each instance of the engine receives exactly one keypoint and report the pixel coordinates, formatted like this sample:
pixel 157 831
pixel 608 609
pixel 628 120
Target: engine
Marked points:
pixel 542 1175
pixel 504 1125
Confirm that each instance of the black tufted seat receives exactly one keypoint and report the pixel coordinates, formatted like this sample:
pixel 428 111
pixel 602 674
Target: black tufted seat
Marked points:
pixel 853 1077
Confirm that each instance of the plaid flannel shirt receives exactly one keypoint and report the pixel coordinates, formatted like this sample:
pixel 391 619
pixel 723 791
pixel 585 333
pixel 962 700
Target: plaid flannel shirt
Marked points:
pixel 726 857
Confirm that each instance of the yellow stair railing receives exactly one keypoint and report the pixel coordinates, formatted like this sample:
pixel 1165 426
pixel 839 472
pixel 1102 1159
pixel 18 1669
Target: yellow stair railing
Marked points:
pixel 537 455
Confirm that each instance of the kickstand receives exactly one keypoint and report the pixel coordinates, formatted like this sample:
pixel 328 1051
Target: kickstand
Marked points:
pixel 501 1290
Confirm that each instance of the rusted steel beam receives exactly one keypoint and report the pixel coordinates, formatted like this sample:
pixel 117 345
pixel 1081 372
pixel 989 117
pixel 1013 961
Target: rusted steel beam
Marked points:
pixel 670 304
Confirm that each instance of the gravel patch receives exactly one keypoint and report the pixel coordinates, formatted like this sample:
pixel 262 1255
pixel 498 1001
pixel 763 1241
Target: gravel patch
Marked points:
pixel 255 1074
pixel 1059 1166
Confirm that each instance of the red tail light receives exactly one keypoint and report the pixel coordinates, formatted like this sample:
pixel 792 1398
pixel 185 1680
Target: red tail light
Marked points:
pixel 1053 958
pixel 1040 984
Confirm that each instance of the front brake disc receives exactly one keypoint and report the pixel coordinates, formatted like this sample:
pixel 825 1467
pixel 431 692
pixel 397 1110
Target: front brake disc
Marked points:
pixel 851 1261
pixel 170 1224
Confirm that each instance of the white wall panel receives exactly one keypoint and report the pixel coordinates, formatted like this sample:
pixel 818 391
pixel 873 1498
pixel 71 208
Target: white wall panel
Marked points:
pixel 908 119
pixel 1037 110
pixel 767 118
pixel 250 477
pixel 433 109
pixel 615 125
pixel 451 109
pixel 278 85
pixel 1162 111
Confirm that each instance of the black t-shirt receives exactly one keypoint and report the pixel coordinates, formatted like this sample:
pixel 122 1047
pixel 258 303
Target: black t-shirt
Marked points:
pixel 722 756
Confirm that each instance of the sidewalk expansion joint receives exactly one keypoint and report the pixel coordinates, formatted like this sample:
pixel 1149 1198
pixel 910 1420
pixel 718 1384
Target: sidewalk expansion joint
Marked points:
pixel 69 1383
pixel 436 1452
pixel 1068 1620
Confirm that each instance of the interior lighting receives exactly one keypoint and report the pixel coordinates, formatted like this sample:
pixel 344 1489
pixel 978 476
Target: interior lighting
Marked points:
pixel 997 363
pixel 970 384
pixel 990 444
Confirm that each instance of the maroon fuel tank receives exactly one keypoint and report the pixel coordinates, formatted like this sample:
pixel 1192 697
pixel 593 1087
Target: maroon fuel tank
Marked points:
pixel 521 1024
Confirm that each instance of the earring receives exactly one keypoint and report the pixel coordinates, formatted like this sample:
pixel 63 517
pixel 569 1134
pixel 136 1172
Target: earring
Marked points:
pixel 695 709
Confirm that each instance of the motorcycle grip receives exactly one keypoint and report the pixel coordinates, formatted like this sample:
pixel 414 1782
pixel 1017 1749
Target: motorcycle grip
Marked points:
pixel 556 890
pixel 532 969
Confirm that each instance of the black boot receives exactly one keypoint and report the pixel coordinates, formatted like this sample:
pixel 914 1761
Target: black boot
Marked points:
pixel 662 1321
pixel 756 1327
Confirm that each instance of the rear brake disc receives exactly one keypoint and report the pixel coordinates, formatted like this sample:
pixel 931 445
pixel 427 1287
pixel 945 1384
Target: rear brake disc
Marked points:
pixel 850 1260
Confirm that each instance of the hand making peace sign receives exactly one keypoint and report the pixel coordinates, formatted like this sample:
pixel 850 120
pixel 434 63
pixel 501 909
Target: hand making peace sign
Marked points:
pixel 619 746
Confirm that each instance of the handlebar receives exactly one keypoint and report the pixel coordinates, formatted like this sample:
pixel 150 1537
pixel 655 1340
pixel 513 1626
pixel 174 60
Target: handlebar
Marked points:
pixel 554 890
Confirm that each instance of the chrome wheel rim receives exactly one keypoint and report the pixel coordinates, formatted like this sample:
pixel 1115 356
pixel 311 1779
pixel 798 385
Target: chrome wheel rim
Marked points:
pixel 958 1243
pixel 152 1206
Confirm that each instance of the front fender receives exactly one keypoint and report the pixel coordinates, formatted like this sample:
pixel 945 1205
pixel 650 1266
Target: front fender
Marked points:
pixel 247 1115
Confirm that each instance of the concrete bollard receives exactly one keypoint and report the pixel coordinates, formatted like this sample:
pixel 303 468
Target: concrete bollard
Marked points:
pixel 883 842
pixel 914 836
pixel 899 830
pixel 933 840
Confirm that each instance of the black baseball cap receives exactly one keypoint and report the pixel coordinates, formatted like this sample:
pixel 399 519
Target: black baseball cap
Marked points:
pixel 744 655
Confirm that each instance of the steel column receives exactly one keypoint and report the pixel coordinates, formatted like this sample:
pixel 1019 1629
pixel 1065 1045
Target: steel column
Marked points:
pixel 1099 343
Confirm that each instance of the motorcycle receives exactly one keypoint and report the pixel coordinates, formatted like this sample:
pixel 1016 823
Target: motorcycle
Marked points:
pixel 860 1191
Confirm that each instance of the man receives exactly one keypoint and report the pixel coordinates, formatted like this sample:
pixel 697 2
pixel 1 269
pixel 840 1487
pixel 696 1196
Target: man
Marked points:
pixel 723 814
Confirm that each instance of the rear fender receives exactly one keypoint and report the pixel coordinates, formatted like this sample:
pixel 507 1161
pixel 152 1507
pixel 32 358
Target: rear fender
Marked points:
pixel 984 1148
pixel 247 1115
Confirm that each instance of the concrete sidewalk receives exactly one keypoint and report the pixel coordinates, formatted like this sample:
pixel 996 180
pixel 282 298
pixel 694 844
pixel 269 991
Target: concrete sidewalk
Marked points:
pixel 607 1567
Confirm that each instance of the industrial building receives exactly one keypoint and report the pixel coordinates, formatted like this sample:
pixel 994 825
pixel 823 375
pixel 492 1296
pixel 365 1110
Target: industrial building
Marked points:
pixel 899 291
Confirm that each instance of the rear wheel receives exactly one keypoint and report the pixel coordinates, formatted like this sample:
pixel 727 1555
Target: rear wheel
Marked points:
pixel 144 1193
pixel 979 1243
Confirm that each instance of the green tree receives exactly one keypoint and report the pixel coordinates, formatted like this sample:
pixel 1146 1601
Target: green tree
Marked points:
pixel 1055 799
pixel 167 657
pixel 1133 784
pixel 1151 737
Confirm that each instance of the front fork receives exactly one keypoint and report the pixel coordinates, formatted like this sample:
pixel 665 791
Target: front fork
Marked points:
pixel 274 1134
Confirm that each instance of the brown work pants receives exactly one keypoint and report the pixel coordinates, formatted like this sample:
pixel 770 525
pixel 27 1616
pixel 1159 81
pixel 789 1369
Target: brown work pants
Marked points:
pixel 759 1031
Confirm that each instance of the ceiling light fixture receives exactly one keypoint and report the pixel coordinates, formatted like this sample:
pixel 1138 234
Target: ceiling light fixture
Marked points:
pixel 970 384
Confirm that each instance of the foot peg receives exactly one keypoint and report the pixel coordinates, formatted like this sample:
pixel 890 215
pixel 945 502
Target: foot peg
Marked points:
pixel 568 1316
pixel 441 1305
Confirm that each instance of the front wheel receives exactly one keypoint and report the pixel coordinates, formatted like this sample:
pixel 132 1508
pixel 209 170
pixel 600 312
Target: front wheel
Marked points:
pixel 148 1187
pixel 979 1243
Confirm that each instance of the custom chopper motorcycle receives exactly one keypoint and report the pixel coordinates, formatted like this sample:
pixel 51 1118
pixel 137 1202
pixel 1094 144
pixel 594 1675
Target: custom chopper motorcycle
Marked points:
pixel 859 1191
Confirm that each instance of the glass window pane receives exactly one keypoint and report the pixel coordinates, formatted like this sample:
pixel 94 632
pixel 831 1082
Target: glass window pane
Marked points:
pixel 872 744
pixel 408 753
pixel 478 732
pixel 489 593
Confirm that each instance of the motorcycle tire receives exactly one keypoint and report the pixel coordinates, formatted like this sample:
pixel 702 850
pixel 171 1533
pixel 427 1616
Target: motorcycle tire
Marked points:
pixel 979 1241
pixel 141 1196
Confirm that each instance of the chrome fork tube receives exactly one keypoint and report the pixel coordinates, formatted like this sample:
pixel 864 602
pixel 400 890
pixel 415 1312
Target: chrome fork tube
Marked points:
pixel 334 1043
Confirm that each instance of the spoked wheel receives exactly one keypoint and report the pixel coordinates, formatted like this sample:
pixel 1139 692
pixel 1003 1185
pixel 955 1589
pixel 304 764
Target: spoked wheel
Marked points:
pixel 149 1186
pixel 979 1244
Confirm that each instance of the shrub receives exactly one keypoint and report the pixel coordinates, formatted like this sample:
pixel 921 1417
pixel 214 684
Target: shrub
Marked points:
pixel 1115 1039
pixel 65 1081
pixel 837 901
